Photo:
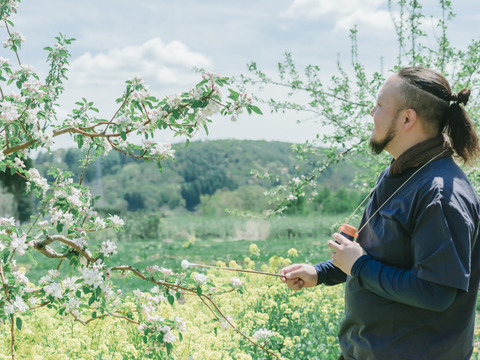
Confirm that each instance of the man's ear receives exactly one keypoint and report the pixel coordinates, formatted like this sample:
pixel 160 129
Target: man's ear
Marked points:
pixel 410 119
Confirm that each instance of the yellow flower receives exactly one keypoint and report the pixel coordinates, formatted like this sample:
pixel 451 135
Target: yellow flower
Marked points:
pixel 292 252
pixel 331 339
pixel 254 250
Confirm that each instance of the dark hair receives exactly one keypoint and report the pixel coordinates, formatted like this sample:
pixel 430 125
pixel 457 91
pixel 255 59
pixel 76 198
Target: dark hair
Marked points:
pixel 429 94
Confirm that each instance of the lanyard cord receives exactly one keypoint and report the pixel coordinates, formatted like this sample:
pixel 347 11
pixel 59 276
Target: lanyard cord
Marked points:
pixel 393 194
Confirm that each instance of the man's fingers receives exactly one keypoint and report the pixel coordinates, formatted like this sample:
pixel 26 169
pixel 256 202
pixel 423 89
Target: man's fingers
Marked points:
pixel 333 245
pixel 289 268
pixel 340 239
pixel 294 274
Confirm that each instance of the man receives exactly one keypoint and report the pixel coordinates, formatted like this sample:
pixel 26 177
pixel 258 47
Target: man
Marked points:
pixel 412 276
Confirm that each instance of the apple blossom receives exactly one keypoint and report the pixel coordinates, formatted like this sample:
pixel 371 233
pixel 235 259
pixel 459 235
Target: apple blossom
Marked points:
pixel 236 282
pixel 92 277
pixel 18 243
pixel 185 264
pixel 262 335
pixel 168 337
pixel 200 279
pixel 109 248
pixel 54 289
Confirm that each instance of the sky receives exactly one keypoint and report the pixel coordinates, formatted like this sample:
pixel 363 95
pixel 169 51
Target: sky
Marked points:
pixel 161 41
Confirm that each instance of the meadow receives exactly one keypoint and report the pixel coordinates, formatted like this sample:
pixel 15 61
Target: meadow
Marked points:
pixel 304 323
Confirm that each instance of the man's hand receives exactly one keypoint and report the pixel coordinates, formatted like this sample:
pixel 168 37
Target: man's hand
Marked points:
pixel 344 252
pixel 299 276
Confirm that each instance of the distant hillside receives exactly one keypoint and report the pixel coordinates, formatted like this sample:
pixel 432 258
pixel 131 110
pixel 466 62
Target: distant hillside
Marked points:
pixel 202 168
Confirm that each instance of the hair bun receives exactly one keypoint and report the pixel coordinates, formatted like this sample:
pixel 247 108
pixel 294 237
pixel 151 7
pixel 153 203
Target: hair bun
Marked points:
pixel 462 97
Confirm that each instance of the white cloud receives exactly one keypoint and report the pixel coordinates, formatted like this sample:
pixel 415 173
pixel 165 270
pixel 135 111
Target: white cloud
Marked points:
pixel 158 63
pixel 380 19
pixel 344 13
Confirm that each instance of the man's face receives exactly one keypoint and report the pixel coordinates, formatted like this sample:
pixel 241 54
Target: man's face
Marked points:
pixel 385 115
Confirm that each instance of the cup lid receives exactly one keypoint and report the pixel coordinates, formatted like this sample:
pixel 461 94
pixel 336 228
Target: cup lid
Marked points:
pixel 349 230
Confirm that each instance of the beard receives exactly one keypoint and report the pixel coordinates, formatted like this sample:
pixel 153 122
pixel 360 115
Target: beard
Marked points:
pixel 377 146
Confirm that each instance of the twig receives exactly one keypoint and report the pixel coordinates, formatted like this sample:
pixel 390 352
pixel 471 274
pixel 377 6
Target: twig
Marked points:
pixel 239 270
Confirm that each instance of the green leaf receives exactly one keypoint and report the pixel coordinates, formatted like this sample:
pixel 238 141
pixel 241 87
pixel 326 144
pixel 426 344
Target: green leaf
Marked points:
pixel 80 141
pixel 176 114
pixel 12 171
pixel 91 300
pixel 171 299
pixel 31 257
pixel 123 135
pixel 256 110
pixel 59 227
pixel 233 95
pixel 94 315
pixel 199 291
pixel 19 323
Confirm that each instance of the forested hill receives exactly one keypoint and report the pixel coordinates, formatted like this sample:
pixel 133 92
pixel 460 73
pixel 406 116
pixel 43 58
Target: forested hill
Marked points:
pixel 202 168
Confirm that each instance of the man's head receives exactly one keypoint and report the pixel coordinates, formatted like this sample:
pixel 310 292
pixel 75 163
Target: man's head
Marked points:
pixel 385 115
pixel 416 104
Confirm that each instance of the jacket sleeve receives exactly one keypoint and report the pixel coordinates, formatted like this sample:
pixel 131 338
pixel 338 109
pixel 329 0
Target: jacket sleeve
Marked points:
pixel 329 274
pixel 402 285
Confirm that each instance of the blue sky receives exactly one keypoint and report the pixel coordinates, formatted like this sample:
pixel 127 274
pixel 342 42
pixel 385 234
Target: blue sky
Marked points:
pixel 162 41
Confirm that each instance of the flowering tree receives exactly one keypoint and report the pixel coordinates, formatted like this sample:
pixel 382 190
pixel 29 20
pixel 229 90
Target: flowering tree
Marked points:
pixel 342 104
pixel 66 217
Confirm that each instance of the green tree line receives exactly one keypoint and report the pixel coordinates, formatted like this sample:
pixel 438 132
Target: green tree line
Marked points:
pixel 206 176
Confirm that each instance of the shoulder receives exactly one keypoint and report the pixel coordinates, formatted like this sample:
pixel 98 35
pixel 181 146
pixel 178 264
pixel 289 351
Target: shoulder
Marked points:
pixel 444 181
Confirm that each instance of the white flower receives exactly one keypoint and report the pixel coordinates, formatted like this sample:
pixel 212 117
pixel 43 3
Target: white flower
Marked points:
pixel 185 264
pixel 19 163
pixel 20 304
pixel 54 289
pixel 72 304
pixel 168 337
pixel 262 335
pixel 291 197
pixel 69 282
pixel 166 272
pixel 100 223
pixel 224 323
pixel 74 200
pixel 44 280
pixel 18 243
pixel 200 278
pixel 20 277
pixel 92 277
pixel 9 309
pixel 33 301
pixel 180 324
pixel 163 150
pixel 236 282
pixel 116 220
pixel 109 248
pixel 47 138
